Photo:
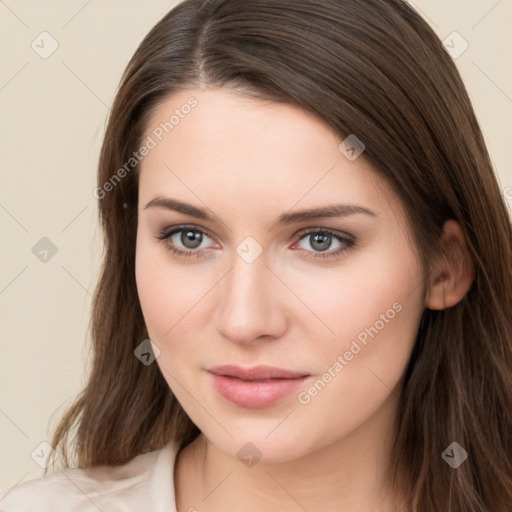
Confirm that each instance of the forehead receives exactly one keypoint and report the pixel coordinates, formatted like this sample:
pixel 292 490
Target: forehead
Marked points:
pixel 243 153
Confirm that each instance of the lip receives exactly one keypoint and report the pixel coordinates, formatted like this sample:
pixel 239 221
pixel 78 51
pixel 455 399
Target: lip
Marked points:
pixel 256 387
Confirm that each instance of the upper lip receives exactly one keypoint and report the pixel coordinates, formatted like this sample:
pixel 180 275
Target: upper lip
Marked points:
pixel 256 372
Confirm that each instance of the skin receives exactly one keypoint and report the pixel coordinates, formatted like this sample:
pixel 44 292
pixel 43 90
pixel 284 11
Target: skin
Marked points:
pixel 247 162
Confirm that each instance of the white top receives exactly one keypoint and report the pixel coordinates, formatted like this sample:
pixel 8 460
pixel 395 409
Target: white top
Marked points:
pixel 146 483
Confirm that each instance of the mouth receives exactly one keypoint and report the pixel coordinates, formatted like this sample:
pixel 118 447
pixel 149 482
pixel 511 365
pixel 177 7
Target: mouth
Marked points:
pixel 255 373
pixel 257 387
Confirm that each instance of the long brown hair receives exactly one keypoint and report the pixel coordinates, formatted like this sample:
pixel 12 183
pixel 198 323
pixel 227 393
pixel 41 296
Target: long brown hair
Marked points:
pixel 373 68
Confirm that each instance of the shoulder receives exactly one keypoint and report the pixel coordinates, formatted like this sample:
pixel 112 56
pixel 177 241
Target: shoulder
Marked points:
pixel 144 483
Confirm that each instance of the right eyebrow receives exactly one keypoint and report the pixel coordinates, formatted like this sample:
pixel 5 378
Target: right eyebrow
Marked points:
pixel 179 206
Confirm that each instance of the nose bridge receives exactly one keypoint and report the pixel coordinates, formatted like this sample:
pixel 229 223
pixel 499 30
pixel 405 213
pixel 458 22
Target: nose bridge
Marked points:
pixel 244 281
pixel 248 307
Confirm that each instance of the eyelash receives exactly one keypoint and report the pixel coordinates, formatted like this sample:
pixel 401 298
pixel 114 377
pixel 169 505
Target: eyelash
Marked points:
pixel 348 241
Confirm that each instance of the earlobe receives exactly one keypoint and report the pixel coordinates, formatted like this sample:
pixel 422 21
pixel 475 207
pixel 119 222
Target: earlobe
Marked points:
pixel 454 272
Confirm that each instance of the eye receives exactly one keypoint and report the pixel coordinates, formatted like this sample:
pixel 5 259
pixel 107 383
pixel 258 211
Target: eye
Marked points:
pixel 184 240
pixel 322 239
pixel 187 241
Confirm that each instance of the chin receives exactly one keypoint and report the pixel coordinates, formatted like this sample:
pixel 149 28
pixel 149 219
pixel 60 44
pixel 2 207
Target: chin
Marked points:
pixel 256 448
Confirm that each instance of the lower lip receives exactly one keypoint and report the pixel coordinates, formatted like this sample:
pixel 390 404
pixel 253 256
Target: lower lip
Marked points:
pixel 255 394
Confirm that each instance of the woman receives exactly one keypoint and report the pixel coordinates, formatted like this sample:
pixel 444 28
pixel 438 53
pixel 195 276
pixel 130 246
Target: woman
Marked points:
pixel 301 214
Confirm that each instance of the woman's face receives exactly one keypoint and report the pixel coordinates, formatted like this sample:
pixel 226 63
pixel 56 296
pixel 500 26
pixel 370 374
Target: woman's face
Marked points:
pixel 334 299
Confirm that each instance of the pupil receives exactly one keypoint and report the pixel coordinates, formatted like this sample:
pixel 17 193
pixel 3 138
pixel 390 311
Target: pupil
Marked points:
pixel 324 241
pixel 191 239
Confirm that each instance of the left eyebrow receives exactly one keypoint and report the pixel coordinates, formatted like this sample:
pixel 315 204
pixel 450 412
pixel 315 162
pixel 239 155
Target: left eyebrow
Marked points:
pixel 335 210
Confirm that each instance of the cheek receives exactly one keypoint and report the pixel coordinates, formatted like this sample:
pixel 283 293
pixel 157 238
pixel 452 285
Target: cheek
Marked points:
pixel 166 291
pixel 374 307
pixel 377 322
pixel 375 294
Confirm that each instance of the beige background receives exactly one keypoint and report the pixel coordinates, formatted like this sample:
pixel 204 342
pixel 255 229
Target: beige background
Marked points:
pixel 53 113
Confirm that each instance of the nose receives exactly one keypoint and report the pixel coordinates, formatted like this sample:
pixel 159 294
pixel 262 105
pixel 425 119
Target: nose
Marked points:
pixel 250 307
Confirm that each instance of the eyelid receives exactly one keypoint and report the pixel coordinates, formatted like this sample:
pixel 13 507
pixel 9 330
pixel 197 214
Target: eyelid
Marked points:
pixel 306 231
pixel 166 232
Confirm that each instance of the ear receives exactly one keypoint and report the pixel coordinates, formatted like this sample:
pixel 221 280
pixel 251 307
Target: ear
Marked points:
pixel 453 271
